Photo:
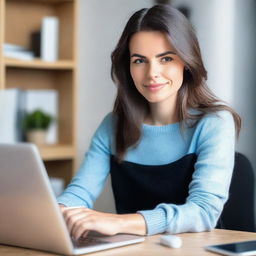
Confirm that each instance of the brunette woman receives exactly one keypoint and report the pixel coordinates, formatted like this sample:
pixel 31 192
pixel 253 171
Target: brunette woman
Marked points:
pixel 168 144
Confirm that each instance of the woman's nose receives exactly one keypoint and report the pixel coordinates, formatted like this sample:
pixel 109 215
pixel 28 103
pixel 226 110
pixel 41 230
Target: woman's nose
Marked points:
pixel 154 70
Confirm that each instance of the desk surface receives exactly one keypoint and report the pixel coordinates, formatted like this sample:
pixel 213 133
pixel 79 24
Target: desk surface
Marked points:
pixel 193 244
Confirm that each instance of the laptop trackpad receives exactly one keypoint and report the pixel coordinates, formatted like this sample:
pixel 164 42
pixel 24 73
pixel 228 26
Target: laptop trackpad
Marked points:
pixel 95 241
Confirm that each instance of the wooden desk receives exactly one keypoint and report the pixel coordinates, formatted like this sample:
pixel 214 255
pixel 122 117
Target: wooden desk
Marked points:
pixel 193 244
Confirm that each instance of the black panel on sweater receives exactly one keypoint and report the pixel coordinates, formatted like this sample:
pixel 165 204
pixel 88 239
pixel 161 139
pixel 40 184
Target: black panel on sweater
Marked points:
pixel 143 187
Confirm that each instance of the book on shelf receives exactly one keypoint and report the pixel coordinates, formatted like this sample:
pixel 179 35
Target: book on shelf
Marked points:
pixel 13 47
pixel 35 43
pixel 12 103
pixel 49 44
pixel 18 52
pixel 43 43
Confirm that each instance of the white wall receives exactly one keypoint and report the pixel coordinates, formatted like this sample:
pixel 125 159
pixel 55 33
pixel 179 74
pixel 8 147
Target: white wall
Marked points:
pixel 100 25
pixel 244 75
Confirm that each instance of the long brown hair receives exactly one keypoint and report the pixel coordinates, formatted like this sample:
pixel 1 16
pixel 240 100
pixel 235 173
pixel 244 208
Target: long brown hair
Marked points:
pixel 130 106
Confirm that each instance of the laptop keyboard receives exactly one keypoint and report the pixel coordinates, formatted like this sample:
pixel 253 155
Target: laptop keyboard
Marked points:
pixel 89 241
pixel 95 239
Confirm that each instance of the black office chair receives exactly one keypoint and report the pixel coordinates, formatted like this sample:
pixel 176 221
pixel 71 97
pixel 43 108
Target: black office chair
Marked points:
pixel 238 212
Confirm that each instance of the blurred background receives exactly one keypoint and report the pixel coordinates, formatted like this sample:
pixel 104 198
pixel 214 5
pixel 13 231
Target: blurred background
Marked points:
pixel 227 36
pixel 55 84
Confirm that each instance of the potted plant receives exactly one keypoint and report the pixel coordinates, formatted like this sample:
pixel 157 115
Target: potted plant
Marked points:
pixel 35 125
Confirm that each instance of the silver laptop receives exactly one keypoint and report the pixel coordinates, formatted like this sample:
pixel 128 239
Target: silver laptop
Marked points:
pixel 29 214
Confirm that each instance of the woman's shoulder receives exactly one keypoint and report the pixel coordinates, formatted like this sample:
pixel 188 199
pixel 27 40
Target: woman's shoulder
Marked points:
pixel 108 120
pixel 212 118
pixel 215 131
pixel 106 126
pixel 223 116
pixel 220 122
pixel 104 133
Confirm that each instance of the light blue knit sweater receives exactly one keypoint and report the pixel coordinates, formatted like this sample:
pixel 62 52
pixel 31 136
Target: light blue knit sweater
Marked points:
pixel 212 140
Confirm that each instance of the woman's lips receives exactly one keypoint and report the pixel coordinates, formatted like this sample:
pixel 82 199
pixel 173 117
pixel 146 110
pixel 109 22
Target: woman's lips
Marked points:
pixel 155 87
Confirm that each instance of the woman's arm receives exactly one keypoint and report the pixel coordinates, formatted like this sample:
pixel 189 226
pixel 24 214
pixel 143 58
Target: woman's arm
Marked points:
pixel 89 181
pixel 86 186
pixel 214 145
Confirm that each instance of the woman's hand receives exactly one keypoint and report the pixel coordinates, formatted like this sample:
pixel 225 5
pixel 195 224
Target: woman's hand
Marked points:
pixel 81 220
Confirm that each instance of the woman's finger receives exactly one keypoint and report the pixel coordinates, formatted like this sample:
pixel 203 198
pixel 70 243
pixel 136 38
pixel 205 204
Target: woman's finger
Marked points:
pixel 73 219
pixel 69 211
pixel 69 214
pixel 81 226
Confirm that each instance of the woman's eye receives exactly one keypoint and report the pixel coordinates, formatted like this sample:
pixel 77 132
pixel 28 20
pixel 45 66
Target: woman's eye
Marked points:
pixel 139 61
pixel 166 59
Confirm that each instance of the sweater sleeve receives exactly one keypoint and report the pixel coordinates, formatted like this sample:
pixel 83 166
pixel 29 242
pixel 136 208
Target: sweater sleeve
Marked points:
pixel 214 145
pixel 88 183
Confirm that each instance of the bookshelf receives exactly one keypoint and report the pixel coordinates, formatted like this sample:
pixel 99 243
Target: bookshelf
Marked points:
pixel 18 19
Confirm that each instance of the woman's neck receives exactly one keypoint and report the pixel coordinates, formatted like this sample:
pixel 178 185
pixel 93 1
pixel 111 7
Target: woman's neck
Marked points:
pixel 162 113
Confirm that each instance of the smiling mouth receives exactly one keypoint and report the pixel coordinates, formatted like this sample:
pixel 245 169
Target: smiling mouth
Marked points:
pixel 155 87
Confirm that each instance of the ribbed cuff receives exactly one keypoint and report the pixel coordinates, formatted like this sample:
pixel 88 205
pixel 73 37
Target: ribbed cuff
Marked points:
pixel 156 220
pixel 69 200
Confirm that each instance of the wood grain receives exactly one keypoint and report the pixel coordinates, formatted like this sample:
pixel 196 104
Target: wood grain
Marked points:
pixel 193 245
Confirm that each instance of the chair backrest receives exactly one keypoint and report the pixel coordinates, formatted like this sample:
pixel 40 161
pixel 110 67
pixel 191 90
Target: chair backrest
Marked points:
pixel 238 212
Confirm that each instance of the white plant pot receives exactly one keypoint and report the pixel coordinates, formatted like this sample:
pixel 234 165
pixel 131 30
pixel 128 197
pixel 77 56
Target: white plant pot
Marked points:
pixel 37 137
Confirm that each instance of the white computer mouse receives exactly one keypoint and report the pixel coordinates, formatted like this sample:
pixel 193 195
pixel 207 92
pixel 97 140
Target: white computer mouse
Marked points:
pixel 171 241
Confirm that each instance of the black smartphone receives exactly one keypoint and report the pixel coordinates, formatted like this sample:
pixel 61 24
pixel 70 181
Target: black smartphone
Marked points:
pixel 234 249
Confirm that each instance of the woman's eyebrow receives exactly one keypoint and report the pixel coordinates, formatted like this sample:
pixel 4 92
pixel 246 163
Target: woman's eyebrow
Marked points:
pixel 165 53
pixel 138 55
pixel 158 55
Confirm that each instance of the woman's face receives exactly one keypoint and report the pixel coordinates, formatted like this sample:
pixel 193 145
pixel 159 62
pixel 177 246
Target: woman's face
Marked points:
pixel 156 69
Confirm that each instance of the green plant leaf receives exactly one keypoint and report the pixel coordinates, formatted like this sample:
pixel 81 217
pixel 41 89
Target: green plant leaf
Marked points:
pixel 37 120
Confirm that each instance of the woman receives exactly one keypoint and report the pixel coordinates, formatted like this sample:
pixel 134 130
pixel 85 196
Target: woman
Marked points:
pixel 168 144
